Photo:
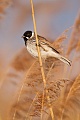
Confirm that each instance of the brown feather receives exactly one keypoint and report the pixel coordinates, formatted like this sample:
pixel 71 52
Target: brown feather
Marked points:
pixel 45 41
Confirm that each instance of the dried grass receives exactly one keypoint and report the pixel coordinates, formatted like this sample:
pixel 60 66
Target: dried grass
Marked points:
pixel 33 86
pixel 32 92
pixel 29 104
pixel 12 79
pixel 22 90
pixel 75 36
pixel 71 109
pixel 22 61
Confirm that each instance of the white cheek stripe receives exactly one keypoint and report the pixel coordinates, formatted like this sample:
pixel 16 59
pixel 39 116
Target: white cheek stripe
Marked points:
pixel 27 37
pixel 32 35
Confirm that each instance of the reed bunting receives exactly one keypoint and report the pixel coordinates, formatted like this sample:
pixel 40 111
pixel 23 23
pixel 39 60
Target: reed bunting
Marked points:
pixel 46 47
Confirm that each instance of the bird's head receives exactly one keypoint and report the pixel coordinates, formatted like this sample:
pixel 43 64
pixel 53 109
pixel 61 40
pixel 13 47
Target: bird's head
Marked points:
pixel 27 35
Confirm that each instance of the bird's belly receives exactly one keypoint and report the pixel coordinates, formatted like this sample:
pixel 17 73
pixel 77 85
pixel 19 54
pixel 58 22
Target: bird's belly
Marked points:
pixel 32 49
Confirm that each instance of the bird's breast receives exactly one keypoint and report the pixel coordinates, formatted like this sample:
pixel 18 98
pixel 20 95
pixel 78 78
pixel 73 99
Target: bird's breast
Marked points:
pixel 31 47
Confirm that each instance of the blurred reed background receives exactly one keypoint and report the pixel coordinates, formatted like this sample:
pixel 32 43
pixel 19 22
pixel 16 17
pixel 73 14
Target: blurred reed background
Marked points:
pixel 52 19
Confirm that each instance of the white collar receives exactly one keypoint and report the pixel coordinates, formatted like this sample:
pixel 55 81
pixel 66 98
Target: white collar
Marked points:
pixel 32 35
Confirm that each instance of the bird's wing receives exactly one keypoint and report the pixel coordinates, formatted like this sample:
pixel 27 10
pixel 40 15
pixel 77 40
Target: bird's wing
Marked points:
pixel 44 41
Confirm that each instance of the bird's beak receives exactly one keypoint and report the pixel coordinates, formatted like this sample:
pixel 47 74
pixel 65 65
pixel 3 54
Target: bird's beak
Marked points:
pixel 22 37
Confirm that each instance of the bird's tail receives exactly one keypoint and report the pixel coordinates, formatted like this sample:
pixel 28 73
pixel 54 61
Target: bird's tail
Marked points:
pixel 65 60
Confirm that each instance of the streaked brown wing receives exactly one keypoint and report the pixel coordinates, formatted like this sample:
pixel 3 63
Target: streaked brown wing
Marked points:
pixel 43 40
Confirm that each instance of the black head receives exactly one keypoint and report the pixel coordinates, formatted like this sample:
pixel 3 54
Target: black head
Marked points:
pixel 27 35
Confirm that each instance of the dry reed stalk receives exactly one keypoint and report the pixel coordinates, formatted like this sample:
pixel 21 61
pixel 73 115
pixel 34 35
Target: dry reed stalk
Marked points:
pixel 38 48
pixel 42 105
pixel 46 93
pixel 40 60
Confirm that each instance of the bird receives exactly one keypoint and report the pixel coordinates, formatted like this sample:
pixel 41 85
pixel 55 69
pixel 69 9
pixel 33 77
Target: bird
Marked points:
pixel 46 48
